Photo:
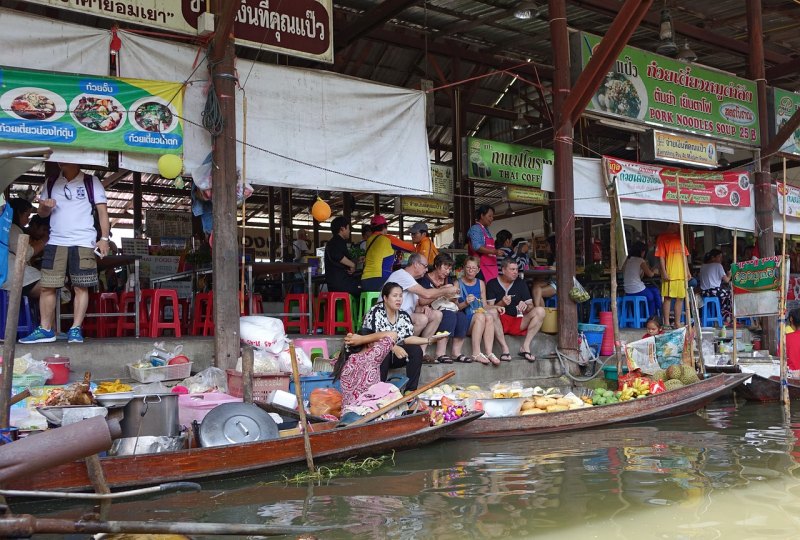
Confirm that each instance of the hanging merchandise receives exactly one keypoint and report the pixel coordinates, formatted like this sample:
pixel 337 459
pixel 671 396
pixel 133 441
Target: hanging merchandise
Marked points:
pixel 321 210
pixel 170 166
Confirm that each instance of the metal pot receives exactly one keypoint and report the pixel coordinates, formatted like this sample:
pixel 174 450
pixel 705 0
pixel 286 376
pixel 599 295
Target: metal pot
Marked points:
pixel 146 445
pixel 151 415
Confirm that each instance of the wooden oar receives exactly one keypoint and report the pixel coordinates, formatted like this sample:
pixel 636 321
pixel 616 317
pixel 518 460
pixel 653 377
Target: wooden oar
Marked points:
pixel 16 398
pixel 399 401
pixel 298 392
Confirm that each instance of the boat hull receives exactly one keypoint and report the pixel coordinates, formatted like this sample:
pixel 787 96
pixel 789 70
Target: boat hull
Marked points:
pixel 767 389
pixel 327 442
pixel 677 402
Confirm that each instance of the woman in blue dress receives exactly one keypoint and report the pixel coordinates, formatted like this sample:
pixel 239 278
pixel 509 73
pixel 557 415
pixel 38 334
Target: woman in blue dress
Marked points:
pixel 473 302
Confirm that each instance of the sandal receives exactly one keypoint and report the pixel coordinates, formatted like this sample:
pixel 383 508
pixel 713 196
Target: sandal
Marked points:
pixel 527 356
pixel 428 359
pixel 463 359
pixel 444 359
pixel 483 359
pixel 505 357
pixel 494 360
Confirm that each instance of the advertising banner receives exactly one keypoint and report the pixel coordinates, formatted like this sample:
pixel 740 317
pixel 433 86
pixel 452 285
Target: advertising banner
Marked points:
pixel 644 182
pixel 683 149
pixel 792 200
pixel 507 163
pixel 85 111
pixel 302 28
pixel 442 180
pixel 160 223
pixel 646 87
pixel 257 240
pixel 419 206
pixel 757 285
pixel 785 103
pixel 531 196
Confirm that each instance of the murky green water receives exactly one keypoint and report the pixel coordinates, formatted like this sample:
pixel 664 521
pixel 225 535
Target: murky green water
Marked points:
pixel 729 472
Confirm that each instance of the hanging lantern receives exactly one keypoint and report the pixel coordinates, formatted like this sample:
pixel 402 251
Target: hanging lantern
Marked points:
pixel 321 210
pixel 170 166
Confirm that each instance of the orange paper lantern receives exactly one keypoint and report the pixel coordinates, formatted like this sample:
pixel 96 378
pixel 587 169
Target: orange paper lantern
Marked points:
pixel 321 210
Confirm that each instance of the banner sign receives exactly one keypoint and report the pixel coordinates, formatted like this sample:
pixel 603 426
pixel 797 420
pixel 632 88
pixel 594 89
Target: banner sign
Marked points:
pixel 785 103
pixel 507 163
pixel 160 223
pixel 644 182
pixel 302 28
pixel 757 286
pixel 442 179
pixel 645 87
pixel 531 196
pixel 257 240
pixel 683 149
pixel 419 206
pixel 792 200
pixel 87 111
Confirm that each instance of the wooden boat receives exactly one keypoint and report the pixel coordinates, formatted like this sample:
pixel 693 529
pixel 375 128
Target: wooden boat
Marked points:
pixel 327 442
pixel 767 389
pixel 685 400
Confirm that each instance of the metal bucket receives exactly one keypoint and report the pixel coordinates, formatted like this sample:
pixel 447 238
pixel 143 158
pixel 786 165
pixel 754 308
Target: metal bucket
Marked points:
pixel 153 415
pixel 129 446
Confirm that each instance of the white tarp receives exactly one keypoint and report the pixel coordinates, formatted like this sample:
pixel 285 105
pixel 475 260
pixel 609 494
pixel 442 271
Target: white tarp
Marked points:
pixel 305 128
pixel 28 41
pixel 792 223
pixel 591 201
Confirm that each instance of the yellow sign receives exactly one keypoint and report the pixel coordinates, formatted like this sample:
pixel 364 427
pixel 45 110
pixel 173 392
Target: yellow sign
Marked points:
pixel 418 206
pixel 524 195
pixel 683 149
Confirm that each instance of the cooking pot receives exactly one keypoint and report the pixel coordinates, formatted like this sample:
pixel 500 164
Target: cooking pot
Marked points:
pixel 59 365
pixel 151 415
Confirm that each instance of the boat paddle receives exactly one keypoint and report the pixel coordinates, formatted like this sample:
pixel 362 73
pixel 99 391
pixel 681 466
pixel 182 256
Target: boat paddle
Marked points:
pixel 399 401
pixel 298 392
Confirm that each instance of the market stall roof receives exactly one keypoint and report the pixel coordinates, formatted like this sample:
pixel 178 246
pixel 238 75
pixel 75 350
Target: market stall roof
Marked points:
pixel 15 163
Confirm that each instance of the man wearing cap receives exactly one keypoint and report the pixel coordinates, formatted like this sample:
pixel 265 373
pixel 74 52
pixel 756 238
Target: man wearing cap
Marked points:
pixel 380 250
pixel 422 244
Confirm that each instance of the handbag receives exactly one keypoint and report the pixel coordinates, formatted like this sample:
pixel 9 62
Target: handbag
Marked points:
pixel 444 304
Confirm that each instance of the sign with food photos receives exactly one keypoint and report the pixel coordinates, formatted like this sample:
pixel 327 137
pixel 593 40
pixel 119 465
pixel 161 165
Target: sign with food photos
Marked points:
pixel 89 111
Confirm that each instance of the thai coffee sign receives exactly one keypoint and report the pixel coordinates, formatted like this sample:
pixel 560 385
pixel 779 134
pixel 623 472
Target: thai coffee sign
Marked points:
pixel 87 111
pixel 785 103
pixel 645 182
pixel 507 163
pixel 661 91
pixel 757 286
pixel 301 28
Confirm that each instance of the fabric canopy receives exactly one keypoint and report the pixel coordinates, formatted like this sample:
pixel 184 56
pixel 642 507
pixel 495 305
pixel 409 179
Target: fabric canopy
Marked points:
pixel 792 223
pixel 591 201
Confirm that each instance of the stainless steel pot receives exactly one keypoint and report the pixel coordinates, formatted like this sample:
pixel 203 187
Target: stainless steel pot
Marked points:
pixel 151 415
pixel 146 445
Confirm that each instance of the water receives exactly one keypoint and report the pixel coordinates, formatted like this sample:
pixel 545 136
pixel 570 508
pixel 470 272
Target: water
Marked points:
pixel 730 471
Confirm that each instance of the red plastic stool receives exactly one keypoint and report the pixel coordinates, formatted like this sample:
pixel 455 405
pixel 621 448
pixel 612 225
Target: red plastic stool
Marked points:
pixel 203 316
pixel 258 305
pixel 186 314
pixel 159 301
pixel 300 320
pixel 127 304
pixel 326 313
pixel 108 303
pixel 90 326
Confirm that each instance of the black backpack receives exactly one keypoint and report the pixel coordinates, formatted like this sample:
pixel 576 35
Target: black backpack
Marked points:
pixel 89 185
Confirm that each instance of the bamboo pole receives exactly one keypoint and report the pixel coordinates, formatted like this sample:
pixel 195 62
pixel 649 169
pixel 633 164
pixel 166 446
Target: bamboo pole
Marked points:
pixel 247 373
pixel 298 392
pixel 733 298
pixel 12 322
pixel 784 274
pixel 611 191
pixel 686 309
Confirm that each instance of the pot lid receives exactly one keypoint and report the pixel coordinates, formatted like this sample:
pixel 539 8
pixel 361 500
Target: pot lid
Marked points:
pixel 232 423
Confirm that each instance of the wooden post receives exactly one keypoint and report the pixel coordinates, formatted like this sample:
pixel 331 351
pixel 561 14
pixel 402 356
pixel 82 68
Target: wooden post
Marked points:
pixel 686 309
pixel 247 373
pixel 12 322
pixel 784 276
pixel 611 191
pixel 223 176
pixel 298 392
pixel 733 299
pixel 137 205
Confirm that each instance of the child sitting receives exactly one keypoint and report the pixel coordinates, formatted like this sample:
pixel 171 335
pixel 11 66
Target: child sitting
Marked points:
pixel 653 327
pixel 520 248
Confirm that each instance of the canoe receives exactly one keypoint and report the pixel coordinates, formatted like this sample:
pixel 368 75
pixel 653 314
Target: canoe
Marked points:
pixel 327 442
pixel 685 400
pixel 767 389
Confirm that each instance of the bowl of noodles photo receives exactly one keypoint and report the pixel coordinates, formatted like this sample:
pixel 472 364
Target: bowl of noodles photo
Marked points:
pixel 153 114
pixel 735 198
pixel 98 113
pixel 29 103
pixel 621 95
pixel 721 190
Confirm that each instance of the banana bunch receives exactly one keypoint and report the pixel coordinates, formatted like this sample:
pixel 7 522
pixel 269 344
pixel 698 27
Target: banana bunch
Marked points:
pixel 639 388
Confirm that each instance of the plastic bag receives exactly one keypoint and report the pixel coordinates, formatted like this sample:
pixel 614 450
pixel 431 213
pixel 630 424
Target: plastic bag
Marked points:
pixel 304 365
pixel 210 379
pixel 577 293
pixel 324 401
pixel 159 355
pixel 201 175
pixel 585 352
pixel 263 333
pixel 641 354
pixel 263 362
pixel 669 347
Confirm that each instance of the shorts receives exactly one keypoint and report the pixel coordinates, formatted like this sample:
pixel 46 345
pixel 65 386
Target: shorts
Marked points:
pixel 675 288
pixel 79 261
pixel 512 326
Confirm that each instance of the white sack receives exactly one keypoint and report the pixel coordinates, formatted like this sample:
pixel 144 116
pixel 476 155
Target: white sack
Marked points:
pixel 265 333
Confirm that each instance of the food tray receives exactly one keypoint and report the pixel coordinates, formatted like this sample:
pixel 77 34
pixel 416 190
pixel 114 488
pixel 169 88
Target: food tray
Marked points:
pixel 263 384
pixel 160 373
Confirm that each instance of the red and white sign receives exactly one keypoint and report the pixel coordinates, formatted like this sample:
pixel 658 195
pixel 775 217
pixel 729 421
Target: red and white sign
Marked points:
pixel 645 182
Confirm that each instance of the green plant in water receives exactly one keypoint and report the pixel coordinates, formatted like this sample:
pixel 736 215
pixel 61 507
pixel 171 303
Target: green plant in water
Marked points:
pixel 348 468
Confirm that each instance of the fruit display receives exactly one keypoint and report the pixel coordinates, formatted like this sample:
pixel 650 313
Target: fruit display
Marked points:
pixel 553 403
pixel 109 387
pixel 578 295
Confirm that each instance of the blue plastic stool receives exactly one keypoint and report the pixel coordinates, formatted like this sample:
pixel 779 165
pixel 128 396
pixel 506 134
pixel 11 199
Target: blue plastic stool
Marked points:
pixel 602 304
pixel 712 312
pixel 551 302
pixel 25 324
pixel 633 312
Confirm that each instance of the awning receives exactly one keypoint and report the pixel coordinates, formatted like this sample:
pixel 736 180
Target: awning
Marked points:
pixel 15 163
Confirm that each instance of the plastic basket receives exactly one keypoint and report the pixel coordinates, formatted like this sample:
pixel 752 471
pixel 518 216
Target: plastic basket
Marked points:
pixel 610 372
pixel 263 384
pixel 27 380
pixel 593 332
pixel 160 373
pixel 309 383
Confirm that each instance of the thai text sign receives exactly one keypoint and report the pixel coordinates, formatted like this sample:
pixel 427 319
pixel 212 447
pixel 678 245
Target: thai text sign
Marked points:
pixel 419 206
pixel 168 223
pixel 649 88
pixel 83 111
pixel 644 182
pixel 756 286
pixel 506 163
pixel 442 180
pixel 301 28
pixel 792 200
pixel 683 149
pixel 785 104
pixel 531 196
pixel 257 240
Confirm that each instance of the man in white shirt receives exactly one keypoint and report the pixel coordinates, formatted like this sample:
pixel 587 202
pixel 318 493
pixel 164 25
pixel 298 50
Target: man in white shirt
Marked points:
pixel 300 245
pixel 67 200
pixel 426 319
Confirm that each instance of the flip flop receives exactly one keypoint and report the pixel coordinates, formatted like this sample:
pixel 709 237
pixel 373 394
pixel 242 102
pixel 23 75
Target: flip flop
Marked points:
pixel 483 359
pixel 494 360
pixel 505 357
pixel 463 359
pixel 527 356
pixel 428 359
pixel 444 359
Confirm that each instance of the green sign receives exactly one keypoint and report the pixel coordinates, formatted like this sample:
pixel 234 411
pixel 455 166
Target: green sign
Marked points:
pixel 646 87
pixel 506 163
pixel 88 111
pixel 757 275
pixel 785 103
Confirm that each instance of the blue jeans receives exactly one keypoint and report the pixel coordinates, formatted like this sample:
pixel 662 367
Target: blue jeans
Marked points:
pixel 454 322
pixel 653 295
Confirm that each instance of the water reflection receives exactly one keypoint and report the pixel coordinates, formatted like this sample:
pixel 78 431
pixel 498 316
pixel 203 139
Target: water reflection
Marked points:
pixel 727 473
